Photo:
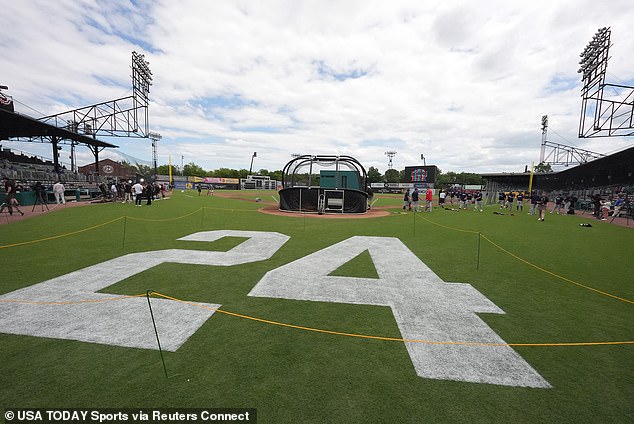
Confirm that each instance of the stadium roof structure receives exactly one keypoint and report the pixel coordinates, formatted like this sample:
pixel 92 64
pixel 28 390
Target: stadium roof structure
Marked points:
pixel 13 124
pixel 615 169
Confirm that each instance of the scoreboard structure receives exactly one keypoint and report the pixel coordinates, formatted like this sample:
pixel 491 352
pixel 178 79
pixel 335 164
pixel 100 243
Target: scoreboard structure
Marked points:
pixel 421 176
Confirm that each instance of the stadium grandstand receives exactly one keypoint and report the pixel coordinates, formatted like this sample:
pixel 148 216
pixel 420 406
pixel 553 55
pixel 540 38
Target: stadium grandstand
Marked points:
pixel 607 176
pixel 27 169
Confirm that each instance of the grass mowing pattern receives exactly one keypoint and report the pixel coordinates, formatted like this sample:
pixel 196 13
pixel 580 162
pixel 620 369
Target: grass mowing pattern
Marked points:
pixel 296 376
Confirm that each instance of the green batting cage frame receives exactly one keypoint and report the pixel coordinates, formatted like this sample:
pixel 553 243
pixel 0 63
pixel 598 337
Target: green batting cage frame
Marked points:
pixel 324 184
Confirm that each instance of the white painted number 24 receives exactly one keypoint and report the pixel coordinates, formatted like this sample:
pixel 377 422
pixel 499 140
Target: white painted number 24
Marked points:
pixel 425 307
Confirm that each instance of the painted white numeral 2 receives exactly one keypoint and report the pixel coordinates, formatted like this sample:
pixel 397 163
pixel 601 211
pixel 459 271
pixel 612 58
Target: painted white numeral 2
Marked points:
pixel 424 306
pixel 124 322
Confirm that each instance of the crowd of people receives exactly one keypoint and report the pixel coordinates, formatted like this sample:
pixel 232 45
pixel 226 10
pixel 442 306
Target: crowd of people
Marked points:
pixel 412 201
pixel 610 207
pixel 463 199
pixel 124 191
pixel 538 202
pixel 127 192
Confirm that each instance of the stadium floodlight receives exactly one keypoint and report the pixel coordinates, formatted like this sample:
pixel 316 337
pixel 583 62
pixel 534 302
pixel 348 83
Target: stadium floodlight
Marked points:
pixel 594 58
pixel 603 116
pixel 155 137
pixel 390 154
pixel 544 138
pixel 141 79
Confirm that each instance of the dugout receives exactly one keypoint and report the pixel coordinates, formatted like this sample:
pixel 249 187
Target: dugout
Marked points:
pixel 324 184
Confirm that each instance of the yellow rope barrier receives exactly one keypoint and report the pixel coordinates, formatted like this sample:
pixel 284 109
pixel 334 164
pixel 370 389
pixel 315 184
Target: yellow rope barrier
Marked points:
pixel 61 235
pixel 394 339
pixel 132 218
pixel 568 280
pixel 321 330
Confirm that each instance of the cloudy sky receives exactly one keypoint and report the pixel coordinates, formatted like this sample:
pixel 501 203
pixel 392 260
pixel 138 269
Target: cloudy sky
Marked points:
pixel 463 83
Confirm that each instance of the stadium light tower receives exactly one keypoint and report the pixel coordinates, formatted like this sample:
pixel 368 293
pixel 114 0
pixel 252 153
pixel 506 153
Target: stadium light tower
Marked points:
pixel 255 154
pixel 155 137
pixel 544 137
pixel 603 115
pixel 390 155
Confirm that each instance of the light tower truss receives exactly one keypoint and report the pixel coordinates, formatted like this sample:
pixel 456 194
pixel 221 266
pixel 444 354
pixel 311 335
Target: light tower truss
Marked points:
pixel 607 110
pixel 561 154
pixel 123 117
pixel 390 155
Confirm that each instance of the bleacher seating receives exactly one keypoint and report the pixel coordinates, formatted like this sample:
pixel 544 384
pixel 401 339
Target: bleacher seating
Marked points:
pixel 27 170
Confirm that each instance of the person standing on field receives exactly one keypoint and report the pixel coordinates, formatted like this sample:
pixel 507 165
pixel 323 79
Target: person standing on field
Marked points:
pixel 429 198
pixel 407 203
pixel 113 189
pixel 542 204
pixel 520 201
pixel 127 189
pixel 415 200
pixel 11 202
pixel 534 199
pixel 559 203
pixel 138 191
pixel 478 201
pixel 58 191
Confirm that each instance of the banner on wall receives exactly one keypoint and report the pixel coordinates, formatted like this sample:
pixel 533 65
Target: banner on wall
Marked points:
pixel 218 180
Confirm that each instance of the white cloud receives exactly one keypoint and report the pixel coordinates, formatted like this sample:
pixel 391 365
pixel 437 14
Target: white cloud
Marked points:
pixel 464 84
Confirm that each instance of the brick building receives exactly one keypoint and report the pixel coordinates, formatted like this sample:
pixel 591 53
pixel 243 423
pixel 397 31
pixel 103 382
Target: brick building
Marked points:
pixel 109 168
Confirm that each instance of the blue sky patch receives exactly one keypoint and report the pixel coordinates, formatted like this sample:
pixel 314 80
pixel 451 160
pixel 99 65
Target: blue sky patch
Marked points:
pixel 328 72
pixel 256 129
pixel 387 143
pixel 234 101
pixel 560 83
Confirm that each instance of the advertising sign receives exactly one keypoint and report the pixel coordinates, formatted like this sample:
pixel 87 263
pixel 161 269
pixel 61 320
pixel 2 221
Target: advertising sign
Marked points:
pixel 421 175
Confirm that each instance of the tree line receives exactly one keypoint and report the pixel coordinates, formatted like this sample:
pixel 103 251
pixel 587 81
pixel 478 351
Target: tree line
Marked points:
pixel 193 170
pixel 374 175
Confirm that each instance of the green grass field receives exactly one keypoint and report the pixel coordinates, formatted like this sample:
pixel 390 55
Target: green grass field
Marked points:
pixel 557 282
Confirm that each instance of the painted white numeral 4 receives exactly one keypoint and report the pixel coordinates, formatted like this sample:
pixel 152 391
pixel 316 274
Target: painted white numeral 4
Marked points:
pixel 424 306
